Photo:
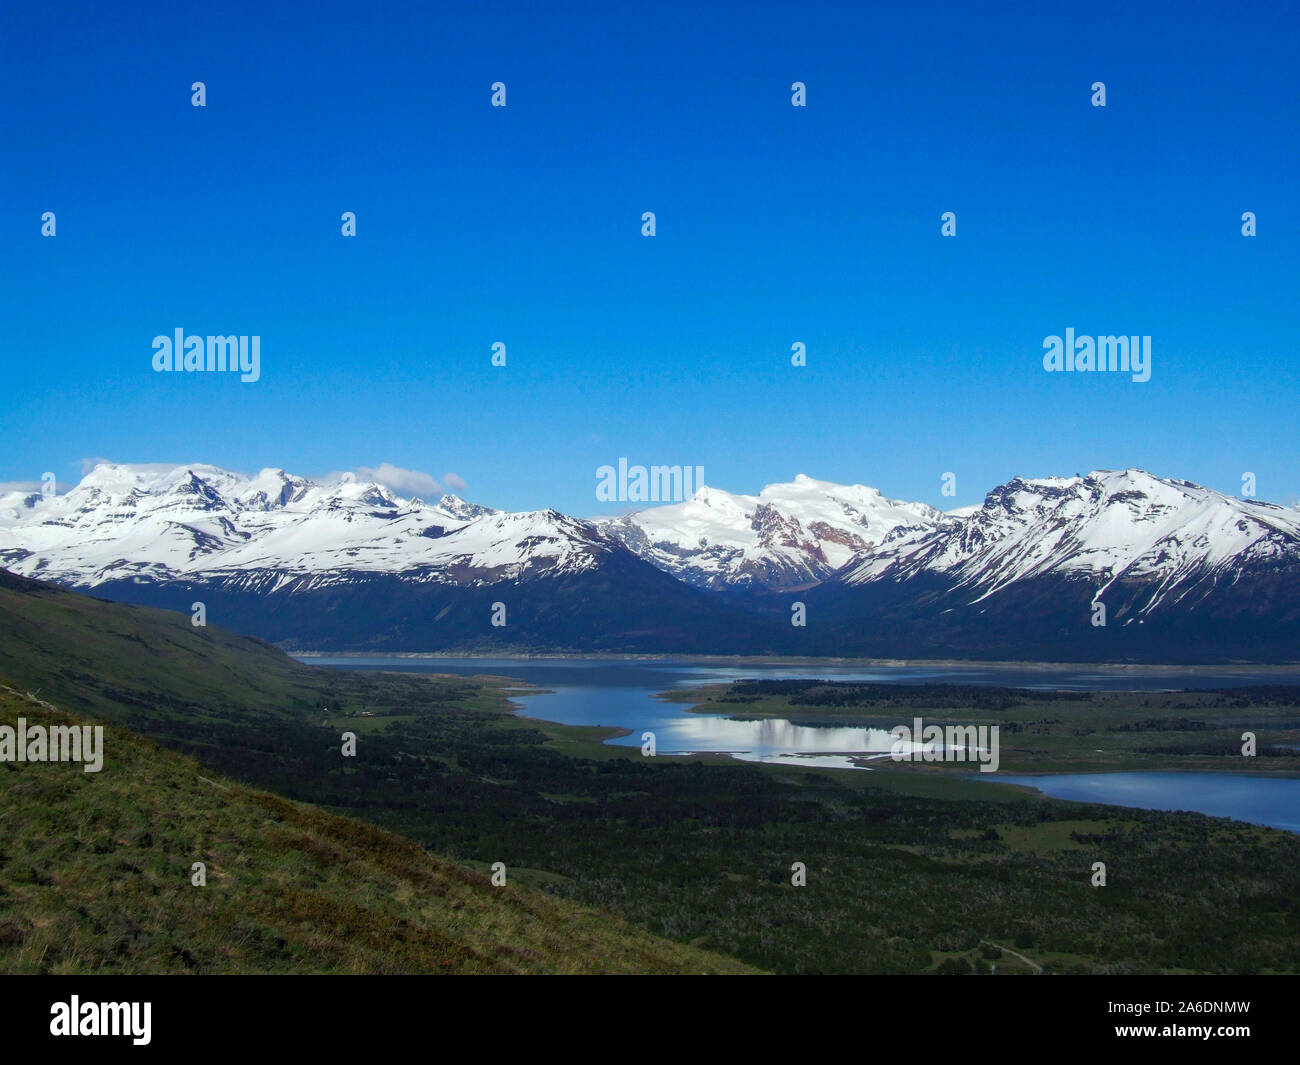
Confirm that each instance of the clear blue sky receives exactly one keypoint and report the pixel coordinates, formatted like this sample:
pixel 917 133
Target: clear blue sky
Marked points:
pixel 775 224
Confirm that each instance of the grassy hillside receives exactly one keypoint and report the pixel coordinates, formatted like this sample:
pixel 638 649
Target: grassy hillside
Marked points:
pixel 149 665
pixel 95 872
pixel 239 704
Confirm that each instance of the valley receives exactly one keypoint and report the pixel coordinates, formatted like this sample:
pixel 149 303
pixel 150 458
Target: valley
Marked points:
pixel 907 869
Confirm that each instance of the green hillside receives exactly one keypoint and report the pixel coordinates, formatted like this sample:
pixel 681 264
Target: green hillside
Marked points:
pixel 112 660
pixel 240 705
pixel 95 876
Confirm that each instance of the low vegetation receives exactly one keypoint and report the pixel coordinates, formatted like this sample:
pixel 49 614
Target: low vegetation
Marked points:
pixel 97 875
pixel 907 871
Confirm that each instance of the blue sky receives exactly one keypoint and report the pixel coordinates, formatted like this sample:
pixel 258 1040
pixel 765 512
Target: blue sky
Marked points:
pixel 775 224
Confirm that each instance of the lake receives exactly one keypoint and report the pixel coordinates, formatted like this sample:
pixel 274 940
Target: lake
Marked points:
pixel 621 693
pixel 1271 801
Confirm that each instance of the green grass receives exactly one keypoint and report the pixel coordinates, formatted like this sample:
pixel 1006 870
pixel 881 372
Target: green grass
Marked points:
pixel 95 876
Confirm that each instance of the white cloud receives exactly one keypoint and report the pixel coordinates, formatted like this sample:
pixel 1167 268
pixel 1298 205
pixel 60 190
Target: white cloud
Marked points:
pixel 403 482
pixel 454 480
pixel 89 464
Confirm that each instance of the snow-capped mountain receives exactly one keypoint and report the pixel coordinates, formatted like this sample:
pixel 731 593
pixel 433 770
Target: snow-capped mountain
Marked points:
pixel 1183 572
pixel 1172 563
pixel 350 566
pixel 789 536
pixel 1167 540
pixel 458 508
pixel 196 522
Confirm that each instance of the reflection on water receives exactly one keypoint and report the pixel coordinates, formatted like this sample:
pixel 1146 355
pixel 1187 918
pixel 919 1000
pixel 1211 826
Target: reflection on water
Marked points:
pixel 707 732
pixel 774 739
pixel 621 694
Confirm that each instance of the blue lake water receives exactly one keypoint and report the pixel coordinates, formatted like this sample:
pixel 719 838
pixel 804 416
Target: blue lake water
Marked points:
pixel 621 694
pixel 1271 801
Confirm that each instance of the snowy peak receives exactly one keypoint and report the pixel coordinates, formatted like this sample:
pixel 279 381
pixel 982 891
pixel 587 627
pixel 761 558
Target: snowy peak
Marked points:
pixel 458 508
pixel 790 535
pixel 120 480
pixel 197 522
pixel 272 489
pixel 835 504
pixel 192 492
pixel 1126 526
pixel 1163 541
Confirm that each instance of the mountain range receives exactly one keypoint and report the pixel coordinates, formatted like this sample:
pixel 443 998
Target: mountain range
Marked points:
pixel 1111 566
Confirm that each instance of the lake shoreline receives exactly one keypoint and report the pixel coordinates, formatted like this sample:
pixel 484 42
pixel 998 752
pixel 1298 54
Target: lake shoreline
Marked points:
pixel 1080 787
pixel 786 660
pixel 603 707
